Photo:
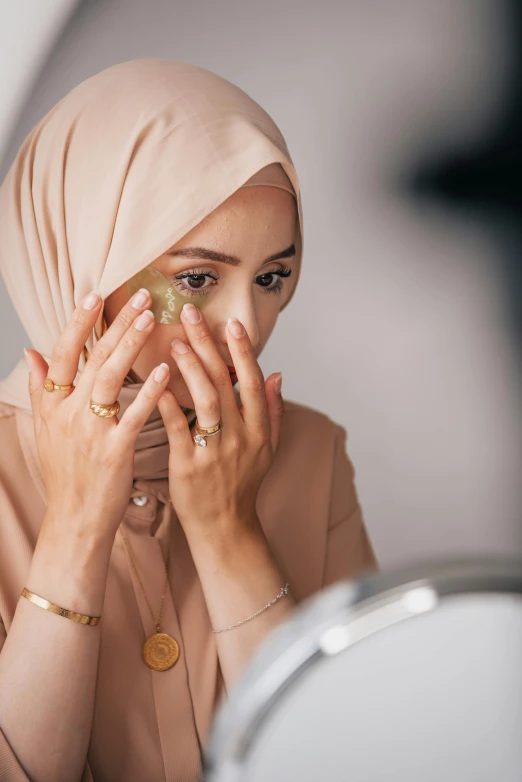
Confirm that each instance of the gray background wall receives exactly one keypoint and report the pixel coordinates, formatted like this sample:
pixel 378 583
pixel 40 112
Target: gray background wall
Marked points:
pixel 411 349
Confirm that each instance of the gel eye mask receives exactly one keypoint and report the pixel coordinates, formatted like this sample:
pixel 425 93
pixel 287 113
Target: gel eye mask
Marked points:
pixel 167 303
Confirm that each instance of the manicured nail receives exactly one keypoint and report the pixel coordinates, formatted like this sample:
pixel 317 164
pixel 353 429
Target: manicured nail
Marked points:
pixel 179 346
pixel 140 299
pixel 191 313
pixel 278 382
pixel 235 327
pixel 161 372
pixel 91 300
pixel 144 320
pixel 27 359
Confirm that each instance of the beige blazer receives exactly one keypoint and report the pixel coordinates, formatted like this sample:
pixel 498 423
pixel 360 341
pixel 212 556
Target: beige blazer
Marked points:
pixel 150 725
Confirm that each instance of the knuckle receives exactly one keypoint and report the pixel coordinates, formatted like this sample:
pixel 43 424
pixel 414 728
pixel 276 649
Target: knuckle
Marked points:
pixel 33 390
pixel 191 362
pixel 127 316
pixel 131 340
pixel 202 336
pixel 177 426
pixel 80 320
pixel 244 349
pixel 255 385
pixel 221 377
pixel 234 443
pixel 211 406
pixel 148 393
pixel 61 353
pixel 99 355
pixel 107 378
pixel 262 438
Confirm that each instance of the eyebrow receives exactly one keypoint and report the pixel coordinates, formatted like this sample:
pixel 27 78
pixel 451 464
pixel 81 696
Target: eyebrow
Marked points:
pixel 212 255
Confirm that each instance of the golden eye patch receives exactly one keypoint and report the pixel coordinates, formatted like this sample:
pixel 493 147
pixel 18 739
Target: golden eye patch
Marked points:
pixel 167 302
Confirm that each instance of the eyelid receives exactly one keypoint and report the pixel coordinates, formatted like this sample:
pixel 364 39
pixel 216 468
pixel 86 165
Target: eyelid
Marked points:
pixel 211 272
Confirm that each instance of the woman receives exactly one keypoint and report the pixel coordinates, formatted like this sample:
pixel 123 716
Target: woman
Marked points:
pixel 160 172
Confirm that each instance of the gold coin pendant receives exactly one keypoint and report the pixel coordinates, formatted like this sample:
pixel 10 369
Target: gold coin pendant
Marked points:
pixel 160 651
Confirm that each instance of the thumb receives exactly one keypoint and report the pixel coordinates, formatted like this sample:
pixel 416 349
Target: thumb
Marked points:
pixel 38 368
pixel 275 408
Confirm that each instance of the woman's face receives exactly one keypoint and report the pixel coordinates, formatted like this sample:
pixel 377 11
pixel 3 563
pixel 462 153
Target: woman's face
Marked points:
pixel 254 224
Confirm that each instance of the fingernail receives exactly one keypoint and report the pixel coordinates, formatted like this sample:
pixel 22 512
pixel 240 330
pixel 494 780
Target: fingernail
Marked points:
pixel 191 313
pixel 278 382
pixel 27 359
pixel 140 299
pixel 144 320
pixel 161 372
pixel 179 346
pixel 235 327
pixel 91 300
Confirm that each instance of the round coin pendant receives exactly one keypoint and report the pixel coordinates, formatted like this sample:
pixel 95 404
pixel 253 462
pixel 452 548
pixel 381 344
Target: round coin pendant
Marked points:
pixel 160 651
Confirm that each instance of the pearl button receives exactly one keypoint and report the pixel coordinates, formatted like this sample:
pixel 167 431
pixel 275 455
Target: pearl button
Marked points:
pixel 140 500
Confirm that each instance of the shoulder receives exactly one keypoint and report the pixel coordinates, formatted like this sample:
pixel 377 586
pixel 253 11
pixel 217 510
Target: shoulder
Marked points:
pixel 302 424
pixel 311 445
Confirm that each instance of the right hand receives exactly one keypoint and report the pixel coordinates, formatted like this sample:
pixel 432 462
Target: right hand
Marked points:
pixel 88 461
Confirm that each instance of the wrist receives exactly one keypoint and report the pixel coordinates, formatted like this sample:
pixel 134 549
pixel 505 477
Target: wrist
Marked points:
pixel 70 569
pixel 223 529
pixel 228 544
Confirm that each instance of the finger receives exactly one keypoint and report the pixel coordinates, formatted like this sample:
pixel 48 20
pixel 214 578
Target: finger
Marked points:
pixel 104 349
pixel 137 414
pixel 176 426
pixel 38 369
pixel 251 380
pixel 275 408
pixel 205 348
pixel 111 375
pixel 67 349
pixel 205 396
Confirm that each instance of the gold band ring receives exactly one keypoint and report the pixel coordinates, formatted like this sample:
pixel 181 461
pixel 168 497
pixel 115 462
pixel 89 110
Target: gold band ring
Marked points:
pixel 50 385
pixel 202 434
pixel 105 411
pixel 210 430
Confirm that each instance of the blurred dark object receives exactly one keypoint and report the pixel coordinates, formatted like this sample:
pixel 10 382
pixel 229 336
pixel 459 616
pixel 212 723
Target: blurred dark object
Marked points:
pixel 488 180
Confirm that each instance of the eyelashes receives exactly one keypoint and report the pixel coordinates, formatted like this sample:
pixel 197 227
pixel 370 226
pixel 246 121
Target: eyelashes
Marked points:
pixel 198 275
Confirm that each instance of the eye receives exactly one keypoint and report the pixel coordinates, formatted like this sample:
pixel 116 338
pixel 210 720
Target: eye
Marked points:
pixel 193 283
pixel 269 277
pixel 198 282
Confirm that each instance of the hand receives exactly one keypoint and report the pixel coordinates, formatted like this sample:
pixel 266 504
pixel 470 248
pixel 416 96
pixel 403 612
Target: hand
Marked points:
pixel 218 484
pixel 88 461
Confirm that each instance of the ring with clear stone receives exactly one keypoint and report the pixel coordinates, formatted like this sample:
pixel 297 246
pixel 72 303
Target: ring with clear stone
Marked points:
pixel 202 434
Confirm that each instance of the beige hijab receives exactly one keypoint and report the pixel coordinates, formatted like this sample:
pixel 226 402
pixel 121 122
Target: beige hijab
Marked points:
pixel 116 173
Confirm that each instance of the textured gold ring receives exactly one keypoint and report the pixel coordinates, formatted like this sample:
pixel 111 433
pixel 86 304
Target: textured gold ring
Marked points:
pixel 105 411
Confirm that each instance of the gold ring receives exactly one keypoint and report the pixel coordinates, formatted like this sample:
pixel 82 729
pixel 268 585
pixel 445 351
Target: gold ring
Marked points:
pixel 211 430
pixel 50 385
pixel 202 434
pixel 105 411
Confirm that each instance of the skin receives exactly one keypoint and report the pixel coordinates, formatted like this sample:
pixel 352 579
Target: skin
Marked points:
pixel 253 224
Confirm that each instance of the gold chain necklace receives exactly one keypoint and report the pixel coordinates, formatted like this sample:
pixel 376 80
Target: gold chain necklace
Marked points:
pixel 161 650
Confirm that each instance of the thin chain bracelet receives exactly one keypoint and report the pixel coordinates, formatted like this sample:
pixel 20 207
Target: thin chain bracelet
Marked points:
pixel 282 593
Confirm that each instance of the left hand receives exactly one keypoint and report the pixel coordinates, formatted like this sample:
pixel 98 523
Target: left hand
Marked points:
pixel 210 487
